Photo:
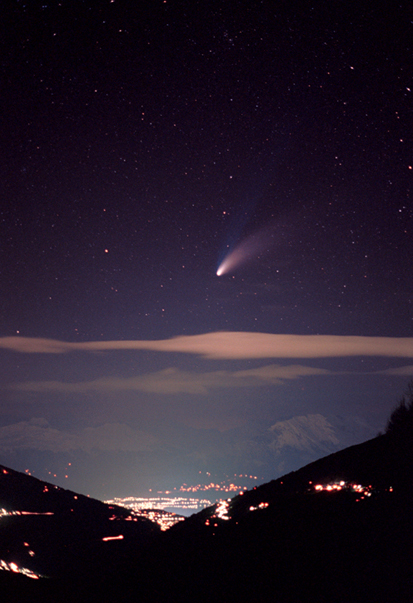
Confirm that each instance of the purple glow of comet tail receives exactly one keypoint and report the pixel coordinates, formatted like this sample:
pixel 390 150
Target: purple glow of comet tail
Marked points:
pixel 247 250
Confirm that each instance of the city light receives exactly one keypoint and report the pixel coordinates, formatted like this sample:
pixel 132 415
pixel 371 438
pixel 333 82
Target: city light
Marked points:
pixel 155 508
pixel 363 491
pixel 107 538
pixel 13 567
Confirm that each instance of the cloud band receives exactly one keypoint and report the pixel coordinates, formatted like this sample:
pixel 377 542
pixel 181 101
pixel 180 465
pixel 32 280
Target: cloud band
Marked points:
pixel 231 345
pixel 175 381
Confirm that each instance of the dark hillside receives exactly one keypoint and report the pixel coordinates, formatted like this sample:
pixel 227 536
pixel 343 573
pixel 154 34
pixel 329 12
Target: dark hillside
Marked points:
pixel 299 543
pixel 337 530
pixel 54 532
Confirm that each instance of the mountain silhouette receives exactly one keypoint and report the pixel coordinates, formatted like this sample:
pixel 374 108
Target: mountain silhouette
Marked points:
pixel 55 533
pixel 337 530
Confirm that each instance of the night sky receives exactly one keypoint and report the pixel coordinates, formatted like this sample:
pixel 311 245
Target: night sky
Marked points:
pixel 148 146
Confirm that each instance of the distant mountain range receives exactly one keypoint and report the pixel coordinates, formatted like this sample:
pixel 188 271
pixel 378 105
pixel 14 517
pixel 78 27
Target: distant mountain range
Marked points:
pixel 337 530
pixel 291 443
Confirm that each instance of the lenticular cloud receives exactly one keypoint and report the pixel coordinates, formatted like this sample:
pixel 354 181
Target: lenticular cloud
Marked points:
pixel 231 345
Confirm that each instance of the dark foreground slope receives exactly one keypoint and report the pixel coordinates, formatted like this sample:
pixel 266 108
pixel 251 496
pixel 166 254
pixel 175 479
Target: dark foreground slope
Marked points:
pixel 52 532
pixel 285 541
pixel 290 542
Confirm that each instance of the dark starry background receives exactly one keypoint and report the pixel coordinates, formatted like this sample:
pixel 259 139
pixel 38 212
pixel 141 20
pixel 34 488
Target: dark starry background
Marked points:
pixel 143 140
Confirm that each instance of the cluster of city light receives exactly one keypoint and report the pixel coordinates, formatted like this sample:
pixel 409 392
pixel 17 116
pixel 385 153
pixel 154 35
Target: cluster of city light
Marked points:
pixel 363 491
pixel 162 503
pixel 5 513
pixel 155 508
pixel 170 500
pixel 330 487
pixel 221 511
pixel 222 487
pixel 163 519
pixel 13 567
pixel 262 505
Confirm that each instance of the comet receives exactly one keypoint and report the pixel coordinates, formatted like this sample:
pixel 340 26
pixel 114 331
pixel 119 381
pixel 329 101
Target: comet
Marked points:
pixel 250 248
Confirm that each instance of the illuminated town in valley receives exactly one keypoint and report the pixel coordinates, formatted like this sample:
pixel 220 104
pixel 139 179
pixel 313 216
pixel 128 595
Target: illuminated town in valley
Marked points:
pixel 171 507
pixel 188 499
